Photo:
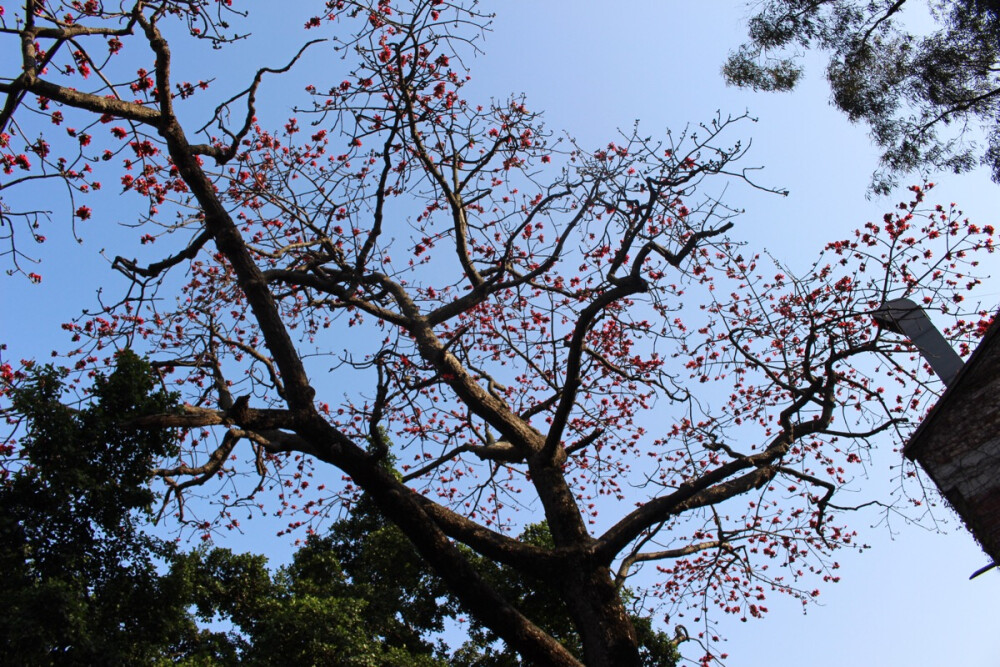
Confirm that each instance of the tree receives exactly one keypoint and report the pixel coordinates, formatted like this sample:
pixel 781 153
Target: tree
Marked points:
pixel 505 307
pixel 922 95
pixel 360 594
pixel 539 600
pixel 80 584
pixel 83 584
pixel 306 613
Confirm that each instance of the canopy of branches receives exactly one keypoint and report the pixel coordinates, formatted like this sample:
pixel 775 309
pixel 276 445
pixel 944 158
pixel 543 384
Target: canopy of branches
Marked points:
pixel 532 329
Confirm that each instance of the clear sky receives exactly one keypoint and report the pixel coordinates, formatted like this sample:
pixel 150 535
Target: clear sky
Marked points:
pixel 593 67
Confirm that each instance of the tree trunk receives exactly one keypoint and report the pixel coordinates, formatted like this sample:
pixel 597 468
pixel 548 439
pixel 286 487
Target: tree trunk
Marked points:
pixel 608 636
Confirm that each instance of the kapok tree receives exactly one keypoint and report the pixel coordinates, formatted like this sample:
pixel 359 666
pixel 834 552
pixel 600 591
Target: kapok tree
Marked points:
pixel 531 329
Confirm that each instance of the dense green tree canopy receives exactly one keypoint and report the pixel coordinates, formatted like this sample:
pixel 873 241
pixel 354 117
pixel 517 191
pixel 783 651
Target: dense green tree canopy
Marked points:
pixel 85 584
pixel 923 88
pixel 80 584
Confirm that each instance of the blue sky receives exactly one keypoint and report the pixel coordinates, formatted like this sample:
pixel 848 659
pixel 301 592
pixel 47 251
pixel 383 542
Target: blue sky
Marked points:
pixel 594 67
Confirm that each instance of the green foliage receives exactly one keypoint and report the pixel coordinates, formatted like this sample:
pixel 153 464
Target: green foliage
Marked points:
pixel 303 615
pixel 917 92
pixel 80 584
pixel 406 600
pixel 311 612
pixel 360 595
pixel 85 585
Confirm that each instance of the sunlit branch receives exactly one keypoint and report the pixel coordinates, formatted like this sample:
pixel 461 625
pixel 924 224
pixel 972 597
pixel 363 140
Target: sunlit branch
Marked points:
pixel 680 552
pixel 224 155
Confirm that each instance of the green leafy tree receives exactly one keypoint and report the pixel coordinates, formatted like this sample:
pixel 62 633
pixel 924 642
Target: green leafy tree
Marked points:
pixel 406 601
pixel 377 606
pixel 80 583
pixel 83 587
pixel 920 91
pixel 361 595
pixel 307 613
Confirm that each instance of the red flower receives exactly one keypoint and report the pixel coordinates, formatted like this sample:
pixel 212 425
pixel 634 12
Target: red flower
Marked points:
pixel 83 212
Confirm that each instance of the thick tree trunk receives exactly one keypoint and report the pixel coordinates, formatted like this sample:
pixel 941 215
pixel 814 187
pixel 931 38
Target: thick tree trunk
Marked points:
pixel 609 638
pixel 586 585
